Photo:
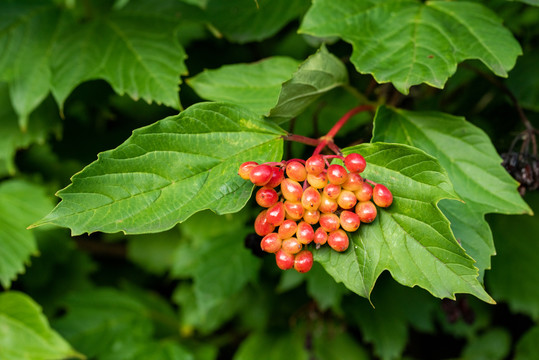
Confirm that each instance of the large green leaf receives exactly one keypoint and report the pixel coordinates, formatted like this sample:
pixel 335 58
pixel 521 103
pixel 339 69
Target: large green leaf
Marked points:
pixel 473 165
pixel 274 87
pixel 247 20
pixel 100 320
pixel 217 280
pixel 25 332
pixel 40 125
pixel 135 49
pixel 320 73
pixel 21 203
pixel 255 86
pixel 168 171
pixel 515 274
pixel 412 238
pixel 408 42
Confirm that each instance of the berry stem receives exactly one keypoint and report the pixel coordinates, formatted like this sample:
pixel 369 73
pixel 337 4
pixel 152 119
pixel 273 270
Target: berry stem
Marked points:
pixel 328 138
pixel 302 139
pixel 370 182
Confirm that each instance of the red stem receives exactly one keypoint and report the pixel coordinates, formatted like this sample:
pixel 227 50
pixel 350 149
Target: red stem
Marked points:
pixel 302 139
pixel 325 140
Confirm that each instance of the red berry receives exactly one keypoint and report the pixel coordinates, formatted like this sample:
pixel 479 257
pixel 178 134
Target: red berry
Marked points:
pixel 347 199
pixel 276 214
pixel 338 240
pixel 311 199
pixel 353 183
pixel 364 193
pixel 329 222
pixel 355 162
pixel 303 261
pixel 332 191
pixel 271 243
pixel 311 216
pixel 287 229
pixel 317 181
pixel 328 205
pixel 296 171
pixel 349 221
pixel 320 237
pixel 277 175
pixel 294 210
pixel 337 174
pixel 284 260
pixel 366 211
pixel 291 245
pixel 245 169
pixel 291 190
pixel 382 196
pixel 315 164
pixel 305 233
pixel 262 226
pixel 266 197
pixel 260 175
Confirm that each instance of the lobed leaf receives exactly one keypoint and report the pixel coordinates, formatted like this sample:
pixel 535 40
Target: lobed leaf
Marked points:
pixel 408 42
pixel 255 86
pixel 411 239
pixel 25 332
pixel 134 49
pixel 246 20
pixel 21 203
pixel 44 48
pixel 168 171
pixel 472 164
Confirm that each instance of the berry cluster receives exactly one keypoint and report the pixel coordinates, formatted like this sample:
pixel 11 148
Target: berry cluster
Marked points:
pixel 332 201
pixel 524 168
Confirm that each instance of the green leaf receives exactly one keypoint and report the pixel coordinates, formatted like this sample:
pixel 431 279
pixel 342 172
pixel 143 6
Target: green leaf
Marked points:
pixel 154 350
pixel 21 203
pixel 40 125
pixel 319 74
pixel 526 348
pixel 515 274
pixel 28 32
pixel 275 347
pixel 473 165
pixel 255 86
pixel 25 332
pixel 154 252
pixel 340 345
pixel 495 344
pixel 247 20
pixel 134 49
pixel 216 279
pixel 168 171
pixel 98 321
pixel 322 288
pixel 521 82
pixel 388 325
pixel 408 42
pixel 412 239
pixel 530 2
